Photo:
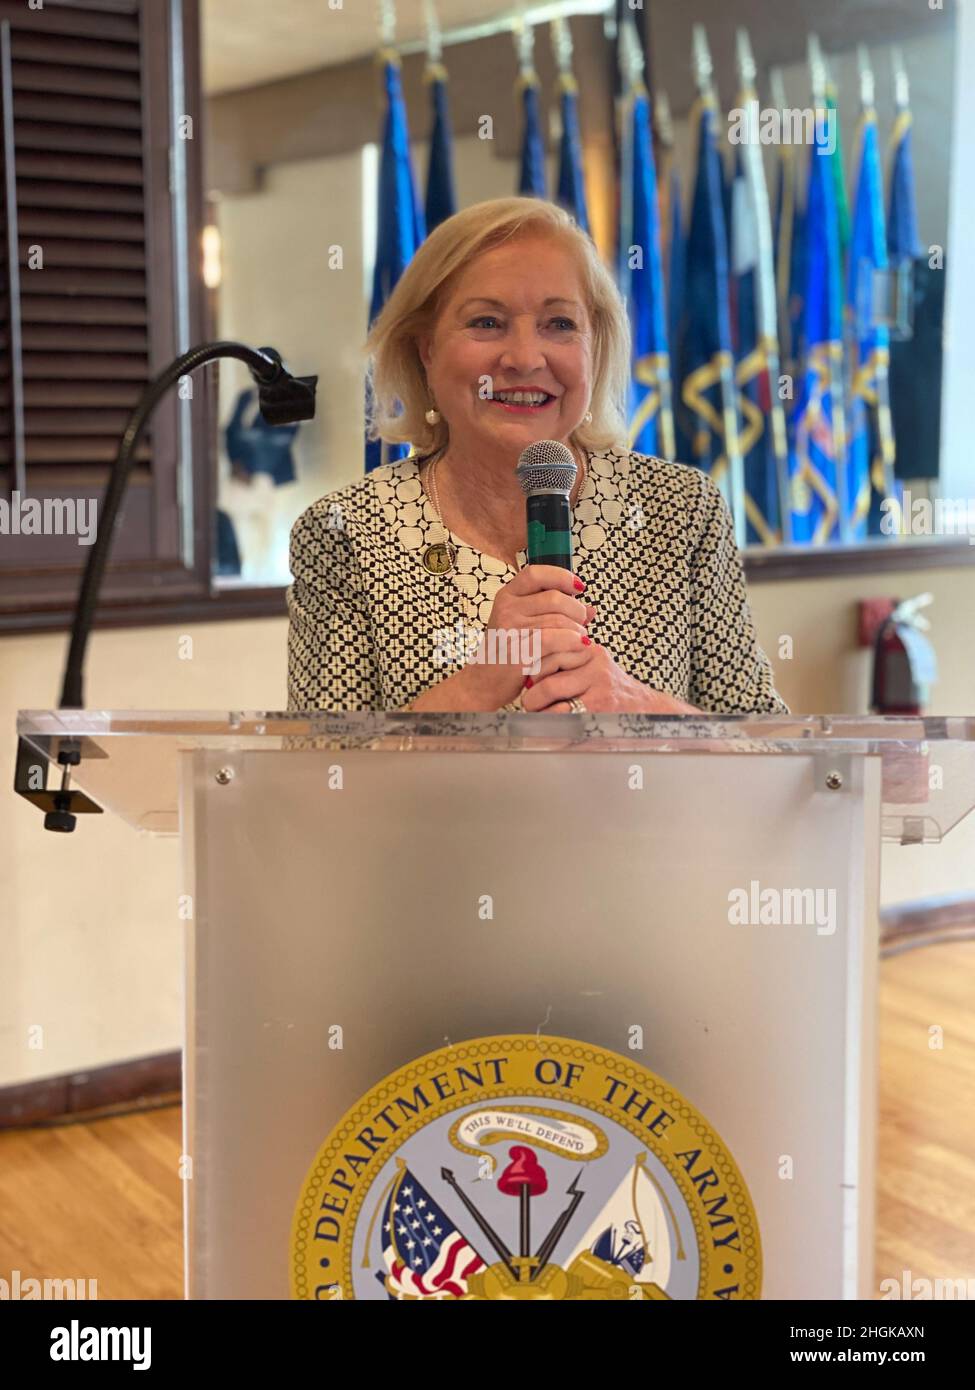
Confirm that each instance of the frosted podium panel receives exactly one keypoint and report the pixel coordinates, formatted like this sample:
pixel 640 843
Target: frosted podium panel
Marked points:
pixel 712 918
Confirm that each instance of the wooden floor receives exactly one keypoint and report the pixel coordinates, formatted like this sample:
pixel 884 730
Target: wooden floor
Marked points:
pixel 102 1200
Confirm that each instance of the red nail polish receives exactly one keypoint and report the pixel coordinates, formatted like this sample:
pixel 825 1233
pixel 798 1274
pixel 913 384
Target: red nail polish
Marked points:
pixel 578 583
pixel 587 641
pixel 528 683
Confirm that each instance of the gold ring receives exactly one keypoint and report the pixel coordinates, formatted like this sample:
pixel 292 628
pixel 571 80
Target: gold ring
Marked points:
pixel 577 706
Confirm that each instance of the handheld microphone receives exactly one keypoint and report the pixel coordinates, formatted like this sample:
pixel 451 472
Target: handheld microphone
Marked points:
pixel 546 472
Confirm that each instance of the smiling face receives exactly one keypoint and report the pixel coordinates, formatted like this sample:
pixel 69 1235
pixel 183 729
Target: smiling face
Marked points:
pixel 515 321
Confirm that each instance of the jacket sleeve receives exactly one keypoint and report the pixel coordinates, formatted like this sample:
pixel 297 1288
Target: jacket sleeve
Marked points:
pixel 730 674
pixel 331 654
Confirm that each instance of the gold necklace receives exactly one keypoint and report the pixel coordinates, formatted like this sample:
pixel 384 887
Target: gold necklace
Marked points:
pixel 439 557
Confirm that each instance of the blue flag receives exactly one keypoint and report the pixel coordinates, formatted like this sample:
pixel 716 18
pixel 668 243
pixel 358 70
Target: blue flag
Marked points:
pixel 903 238
pixel 787 221
pixel 708 395
pixel 839 176
pixel 818 454
pixel 531 178
pixel 676 268
pixel 571 192
pixel 729 172
pixel 642 286
pixel 401 226
pixel 871 461
pixel 904 248
pixel 441 201
pixel 798 275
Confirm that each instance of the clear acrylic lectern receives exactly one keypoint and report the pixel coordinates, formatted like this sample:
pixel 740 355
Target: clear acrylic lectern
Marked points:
pixel 516 1006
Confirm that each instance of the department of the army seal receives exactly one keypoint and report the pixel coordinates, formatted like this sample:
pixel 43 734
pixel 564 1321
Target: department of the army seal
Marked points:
pixel 524 1167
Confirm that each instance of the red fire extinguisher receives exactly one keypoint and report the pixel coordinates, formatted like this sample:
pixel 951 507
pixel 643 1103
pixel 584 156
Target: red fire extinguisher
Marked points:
pixel 904 662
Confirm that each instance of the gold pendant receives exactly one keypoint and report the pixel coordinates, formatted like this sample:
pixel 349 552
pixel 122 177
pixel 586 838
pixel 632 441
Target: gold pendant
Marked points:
pixel 438 558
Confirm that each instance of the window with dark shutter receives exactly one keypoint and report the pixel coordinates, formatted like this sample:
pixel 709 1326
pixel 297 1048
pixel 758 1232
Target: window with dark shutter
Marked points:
pixel 89 293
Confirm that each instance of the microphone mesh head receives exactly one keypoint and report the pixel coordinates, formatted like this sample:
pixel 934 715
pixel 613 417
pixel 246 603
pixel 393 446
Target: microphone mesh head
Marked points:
pixel 546 466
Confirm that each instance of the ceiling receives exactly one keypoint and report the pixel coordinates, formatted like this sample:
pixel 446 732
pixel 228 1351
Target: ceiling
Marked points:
pixel 247 42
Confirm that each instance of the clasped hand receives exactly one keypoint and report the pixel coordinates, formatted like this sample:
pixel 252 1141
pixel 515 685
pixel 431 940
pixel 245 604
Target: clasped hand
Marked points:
pixel 547 601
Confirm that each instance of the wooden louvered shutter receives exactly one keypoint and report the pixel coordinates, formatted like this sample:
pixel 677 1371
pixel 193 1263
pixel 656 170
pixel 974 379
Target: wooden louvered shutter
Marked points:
pixel 88 294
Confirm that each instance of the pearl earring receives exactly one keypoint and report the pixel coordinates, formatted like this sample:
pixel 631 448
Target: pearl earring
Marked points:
pixel 587 418
pixel 432 416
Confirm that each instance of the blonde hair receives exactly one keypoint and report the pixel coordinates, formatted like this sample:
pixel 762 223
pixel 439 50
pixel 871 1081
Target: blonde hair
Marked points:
pixel 400 395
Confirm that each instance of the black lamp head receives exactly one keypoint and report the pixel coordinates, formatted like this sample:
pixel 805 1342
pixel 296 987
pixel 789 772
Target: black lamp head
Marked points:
pixel 284 399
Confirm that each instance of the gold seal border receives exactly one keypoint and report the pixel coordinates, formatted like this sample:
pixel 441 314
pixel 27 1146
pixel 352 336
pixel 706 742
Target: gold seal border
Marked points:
pixel 570 1049
pixel 423 1066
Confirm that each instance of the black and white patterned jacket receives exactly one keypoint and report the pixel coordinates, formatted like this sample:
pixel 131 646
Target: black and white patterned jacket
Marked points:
pixel 653 540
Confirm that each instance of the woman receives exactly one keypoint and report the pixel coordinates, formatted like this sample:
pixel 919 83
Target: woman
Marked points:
pixel 505 329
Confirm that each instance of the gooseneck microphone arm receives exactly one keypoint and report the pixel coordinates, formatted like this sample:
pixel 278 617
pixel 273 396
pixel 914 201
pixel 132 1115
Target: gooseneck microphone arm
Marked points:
pixel 284 400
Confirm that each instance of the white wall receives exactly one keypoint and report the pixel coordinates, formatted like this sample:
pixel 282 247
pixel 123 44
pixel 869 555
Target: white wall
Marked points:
pixel 90 947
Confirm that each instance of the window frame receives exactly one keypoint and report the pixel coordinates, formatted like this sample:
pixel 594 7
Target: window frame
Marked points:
pixel 177 577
